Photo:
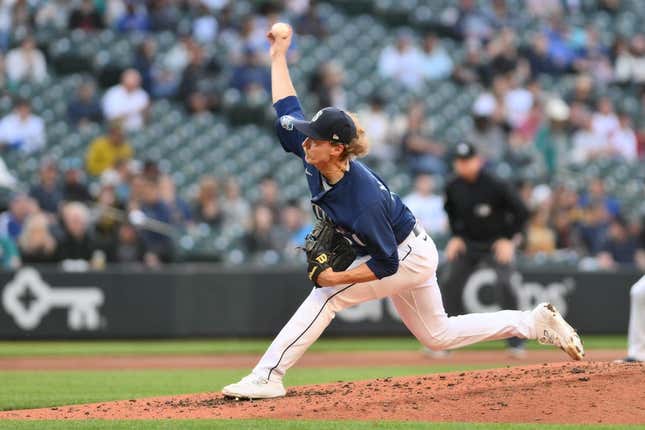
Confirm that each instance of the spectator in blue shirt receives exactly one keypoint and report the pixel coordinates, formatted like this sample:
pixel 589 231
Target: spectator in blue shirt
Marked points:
pixel 565 45
pixel 539 59
pixel 134 19
pixel 159 244
pixel 619 249
pixel 144 63
pixel 593 229
pixel 48 192
pixel 179 209
pixel 596 194
pixel 435 61
pixel 85 108
pixel 251 74
pixel 11 221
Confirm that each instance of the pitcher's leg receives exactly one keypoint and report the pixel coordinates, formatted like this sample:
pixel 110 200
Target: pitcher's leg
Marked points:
pixel 636 332
pixel 304 327
pixel 421 309
pixel 320 307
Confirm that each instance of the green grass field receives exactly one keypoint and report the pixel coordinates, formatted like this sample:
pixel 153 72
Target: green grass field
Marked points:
pixel 32 389
pixel 249 346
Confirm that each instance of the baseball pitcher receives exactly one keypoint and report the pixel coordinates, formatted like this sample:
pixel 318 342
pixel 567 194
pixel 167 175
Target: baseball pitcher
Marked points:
pixel 394 257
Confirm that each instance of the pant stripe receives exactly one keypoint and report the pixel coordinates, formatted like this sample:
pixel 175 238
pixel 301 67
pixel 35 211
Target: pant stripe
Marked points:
pixel 318 314
pixel 305 330
pixel 406 255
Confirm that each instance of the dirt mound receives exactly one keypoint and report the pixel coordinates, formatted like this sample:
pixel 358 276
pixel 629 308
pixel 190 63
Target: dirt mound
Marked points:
pixel 586 392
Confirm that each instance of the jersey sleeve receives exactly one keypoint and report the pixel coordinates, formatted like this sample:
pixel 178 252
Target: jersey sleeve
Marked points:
pixel 291 139
pixel 374 229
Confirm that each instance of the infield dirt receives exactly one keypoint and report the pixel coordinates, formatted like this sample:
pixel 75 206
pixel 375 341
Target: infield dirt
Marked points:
pixel 572 392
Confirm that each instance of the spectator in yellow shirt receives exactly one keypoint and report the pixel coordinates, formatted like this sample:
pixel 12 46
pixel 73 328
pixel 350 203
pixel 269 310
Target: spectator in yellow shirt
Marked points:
pixel 540 237
pixel 105 151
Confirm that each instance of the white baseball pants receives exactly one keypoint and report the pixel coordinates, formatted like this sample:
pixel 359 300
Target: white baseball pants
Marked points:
pixel 416 296
pixel 636 331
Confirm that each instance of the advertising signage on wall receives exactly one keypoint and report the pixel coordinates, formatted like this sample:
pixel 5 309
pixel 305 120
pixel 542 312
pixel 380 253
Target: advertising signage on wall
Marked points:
pixel 27 298
pixel 53 304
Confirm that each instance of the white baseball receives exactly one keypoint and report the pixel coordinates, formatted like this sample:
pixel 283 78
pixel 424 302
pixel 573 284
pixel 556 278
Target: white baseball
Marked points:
pixel 281 29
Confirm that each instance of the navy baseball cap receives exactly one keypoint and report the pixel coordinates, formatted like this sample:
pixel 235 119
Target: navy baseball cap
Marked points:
pixel 330 124
pixel 465 150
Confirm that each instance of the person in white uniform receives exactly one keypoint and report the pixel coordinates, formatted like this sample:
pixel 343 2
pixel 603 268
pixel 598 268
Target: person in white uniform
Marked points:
pixel 636 330
pixel 396 258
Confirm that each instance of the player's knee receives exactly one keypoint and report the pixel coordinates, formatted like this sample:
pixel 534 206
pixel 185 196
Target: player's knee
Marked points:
pixel 436 343
pixel 330 303
pixel 439 338
pixel 337 304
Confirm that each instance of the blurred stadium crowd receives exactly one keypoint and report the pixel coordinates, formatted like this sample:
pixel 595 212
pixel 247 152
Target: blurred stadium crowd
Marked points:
pixel 138 131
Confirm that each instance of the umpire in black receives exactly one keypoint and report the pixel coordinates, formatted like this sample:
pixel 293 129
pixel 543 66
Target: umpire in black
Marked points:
pixel 486 217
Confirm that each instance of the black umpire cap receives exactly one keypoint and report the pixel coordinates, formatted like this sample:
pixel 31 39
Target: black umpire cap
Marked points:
pixel 465 150
pixel 329 123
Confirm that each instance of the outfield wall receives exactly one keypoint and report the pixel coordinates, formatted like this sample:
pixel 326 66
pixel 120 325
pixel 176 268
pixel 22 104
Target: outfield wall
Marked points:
pixel 49 303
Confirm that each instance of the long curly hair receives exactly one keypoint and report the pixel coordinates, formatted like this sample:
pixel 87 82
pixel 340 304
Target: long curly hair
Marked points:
pixel 360 145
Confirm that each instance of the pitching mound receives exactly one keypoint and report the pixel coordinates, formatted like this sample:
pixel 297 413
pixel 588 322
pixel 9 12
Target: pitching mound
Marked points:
pixel 586 392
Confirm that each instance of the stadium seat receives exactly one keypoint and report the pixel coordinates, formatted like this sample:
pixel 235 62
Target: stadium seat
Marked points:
pixel 239 140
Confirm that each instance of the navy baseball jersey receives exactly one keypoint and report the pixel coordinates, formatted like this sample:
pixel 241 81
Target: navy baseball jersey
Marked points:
pixel 360 205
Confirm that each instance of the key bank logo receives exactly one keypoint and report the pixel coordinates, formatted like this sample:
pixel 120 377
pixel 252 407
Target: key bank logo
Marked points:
pixel 28 299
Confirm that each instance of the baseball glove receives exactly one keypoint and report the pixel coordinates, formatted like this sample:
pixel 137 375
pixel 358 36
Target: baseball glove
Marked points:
pixel 326 248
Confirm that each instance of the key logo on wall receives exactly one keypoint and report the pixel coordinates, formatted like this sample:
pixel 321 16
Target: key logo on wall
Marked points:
pixel 28 299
